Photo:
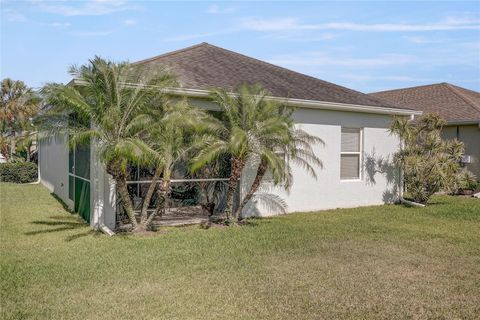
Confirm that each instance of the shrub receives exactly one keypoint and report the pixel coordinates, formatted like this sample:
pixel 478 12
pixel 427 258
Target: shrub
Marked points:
pixel 429 163
pixel 19 172
pixel 468 180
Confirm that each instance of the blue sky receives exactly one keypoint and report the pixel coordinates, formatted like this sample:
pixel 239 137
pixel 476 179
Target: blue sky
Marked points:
pixel 367 46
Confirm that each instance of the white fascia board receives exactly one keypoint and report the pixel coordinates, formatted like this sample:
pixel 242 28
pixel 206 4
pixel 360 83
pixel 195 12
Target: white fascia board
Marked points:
pixel 312 104
pixel 463 122
pixel 301 103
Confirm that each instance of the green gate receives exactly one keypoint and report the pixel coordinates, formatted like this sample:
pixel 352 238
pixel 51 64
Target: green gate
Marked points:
pixel 79 180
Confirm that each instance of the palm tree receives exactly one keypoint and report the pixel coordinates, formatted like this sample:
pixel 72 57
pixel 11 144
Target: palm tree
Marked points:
pixel 253 125
pixel 277 152
pixel 171 138
pixel 106 107
pixel 18 104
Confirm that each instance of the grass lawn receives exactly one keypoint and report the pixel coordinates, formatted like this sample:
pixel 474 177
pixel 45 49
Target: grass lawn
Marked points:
pixel 388 262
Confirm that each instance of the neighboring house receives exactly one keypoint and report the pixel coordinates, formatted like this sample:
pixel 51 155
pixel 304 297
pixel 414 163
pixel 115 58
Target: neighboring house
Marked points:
pixel 458 106
pixel 354 126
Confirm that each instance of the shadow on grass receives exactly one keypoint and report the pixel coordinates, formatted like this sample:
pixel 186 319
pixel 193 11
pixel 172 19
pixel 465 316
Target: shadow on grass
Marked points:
pixel 63 223
pixel 63 204
pixel 255 221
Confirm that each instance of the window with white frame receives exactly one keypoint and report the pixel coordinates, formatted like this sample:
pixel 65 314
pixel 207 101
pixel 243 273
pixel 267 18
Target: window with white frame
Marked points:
pixel 351 154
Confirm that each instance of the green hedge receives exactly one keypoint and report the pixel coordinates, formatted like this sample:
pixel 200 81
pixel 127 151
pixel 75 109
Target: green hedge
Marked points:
pixel 18 172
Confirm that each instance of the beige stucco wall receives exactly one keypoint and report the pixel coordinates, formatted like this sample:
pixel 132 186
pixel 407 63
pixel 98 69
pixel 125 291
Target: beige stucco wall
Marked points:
pixel 379 181
pixel 470 136
pixel 380 178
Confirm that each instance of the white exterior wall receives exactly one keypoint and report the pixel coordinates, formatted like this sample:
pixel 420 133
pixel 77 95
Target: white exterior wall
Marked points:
pixel 53 166
pixel 53 169
pixel 378 184
pixel 379 181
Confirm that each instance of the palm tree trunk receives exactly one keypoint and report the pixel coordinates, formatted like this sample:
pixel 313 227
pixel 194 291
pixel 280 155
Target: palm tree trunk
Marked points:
pixel 113 168
pixel 12 145
pixel 126 200
pixel 237 168
pixel 161 207
pixel 148 196
pixel 261 170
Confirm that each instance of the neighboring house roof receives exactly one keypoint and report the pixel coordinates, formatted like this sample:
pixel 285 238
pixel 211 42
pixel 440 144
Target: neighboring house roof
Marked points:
pixel 205 66
pixel 453 103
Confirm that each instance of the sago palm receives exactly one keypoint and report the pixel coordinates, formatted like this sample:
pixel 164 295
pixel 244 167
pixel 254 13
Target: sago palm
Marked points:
pixel 106 107
pixel 252 126
pixel 429 163
pixel 278 152
pixel 171 138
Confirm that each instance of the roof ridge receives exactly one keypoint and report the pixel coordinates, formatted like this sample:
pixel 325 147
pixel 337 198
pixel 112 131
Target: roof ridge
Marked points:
pixel 409 88
pixel 171 53
pixel 462 96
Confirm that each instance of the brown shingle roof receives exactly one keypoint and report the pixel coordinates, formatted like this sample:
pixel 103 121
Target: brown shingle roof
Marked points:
pixel 205 66
pixel 449 101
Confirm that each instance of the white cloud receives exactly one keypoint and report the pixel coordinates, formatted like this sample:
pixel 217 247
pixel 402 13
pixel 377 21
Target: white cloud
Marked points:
pixel 284 24
pixel 130 22
pixel 216 9
pixel 60 24
pixel 295 37
pixel 322 59
pixel 424 40
pixel 271 24
pixel 200 35
pixel 459 20
pixel 13 16
pixel 84 8
pixel 363 77
pixel 91 33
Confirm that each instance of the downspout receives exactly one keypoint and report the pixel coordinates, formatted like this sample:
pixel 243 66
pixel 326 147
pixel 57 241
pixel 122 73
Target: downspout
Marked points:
pixel 106 229
pixel 97 186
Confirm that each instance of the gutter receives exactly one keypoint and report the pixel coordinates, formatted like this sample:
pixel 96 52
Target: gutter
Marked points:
pixel 311 104
pixel 463 122
pixel 302 103
pixel 411 203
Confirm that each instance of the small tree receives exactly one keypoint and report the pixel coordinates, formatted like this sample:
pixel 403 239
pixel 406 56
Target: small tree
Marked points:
pixel 171 138
pixel 106 107
pixel 246 118
pixel 429 163
pixel 18 104
pixel 289 145
pixel 254 126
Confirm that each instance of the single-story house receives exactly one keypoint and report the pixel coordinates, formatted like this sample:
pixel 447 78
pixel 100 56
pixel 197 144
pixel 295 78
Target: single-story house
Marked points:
pixel 357 154
pixel 460 108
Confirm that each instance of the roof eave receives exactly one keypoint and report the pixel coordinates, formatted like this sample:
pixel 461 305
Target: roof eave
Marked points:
pixel 463 122
pixel 311 104
pixel 302 103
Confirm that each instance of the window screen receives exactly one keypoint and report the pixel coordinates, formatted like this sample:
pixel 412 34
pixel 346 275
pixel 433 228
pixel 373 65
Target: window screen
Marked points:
pixel 350 155
pixel 350 140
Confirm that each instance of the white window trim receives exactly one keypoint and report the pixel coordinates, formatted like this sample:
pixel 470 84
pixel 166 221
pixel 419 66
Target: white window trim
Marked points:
pixel 359 153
